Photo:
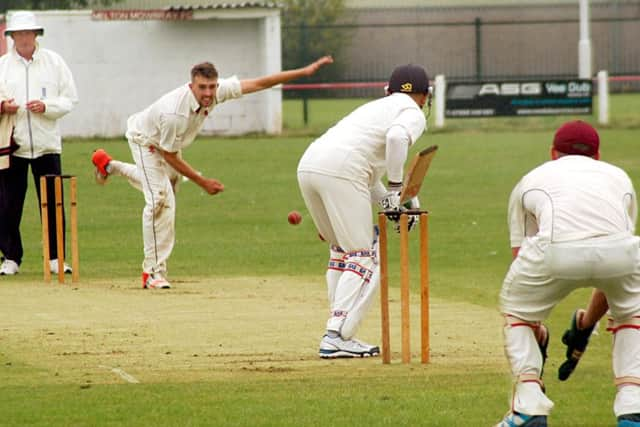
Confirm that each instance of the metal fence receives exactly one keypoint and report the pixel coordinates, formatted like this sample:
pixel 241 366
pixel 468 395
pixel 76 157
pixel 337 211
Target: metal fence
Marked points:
pixel 492 43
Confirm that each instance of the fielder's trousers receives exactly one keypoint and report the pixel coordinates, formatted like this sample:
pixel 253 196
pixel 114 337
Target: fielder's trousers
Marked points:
pixel 13 190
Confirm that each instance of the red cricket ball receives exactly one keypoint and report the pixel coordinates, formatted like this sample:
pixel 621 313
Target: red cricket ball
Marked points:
pixel 294 218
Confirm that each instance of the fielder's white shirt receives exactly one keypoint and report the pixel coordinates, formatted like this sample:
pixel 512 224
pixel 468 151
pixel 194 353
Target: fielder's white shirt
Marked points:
pixel 173 121
pixel 572 198
pixel 354 148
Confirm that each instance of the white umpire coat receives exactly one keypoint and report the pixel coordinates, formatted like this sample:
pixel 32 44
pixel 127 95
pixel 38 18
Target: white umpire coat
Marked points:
pixel 47 78
pixel 7 121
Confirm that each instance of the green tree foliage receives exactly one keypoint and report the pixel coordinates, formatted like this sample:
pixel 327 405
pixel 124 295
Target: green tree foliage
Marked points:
pixel 51 4
pixel 309 31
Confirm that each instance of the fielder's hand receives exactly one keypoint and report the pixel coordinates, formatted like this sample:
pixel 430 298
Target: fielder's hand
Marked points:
pixel 576 341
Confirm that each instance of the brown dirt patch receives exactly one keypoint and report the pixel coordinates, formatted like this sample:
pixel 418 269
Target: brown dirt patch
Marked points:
pixel 113 332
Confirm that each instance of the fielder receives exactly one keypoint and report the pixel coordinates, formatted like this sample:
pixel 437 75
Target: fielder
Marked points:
pixel 156 138
pixel 572 223
pixel 340 178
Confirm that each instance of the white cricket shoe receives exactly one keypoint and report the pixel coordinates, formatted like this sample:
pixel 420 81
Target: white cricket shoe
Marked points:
pixel 331 348
pixel 9 268
pixel 154 281
pixel 53 267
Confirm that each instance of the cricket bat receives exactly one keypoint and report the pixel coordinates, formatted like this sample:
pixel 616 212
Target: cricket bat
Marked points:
pixel 416 173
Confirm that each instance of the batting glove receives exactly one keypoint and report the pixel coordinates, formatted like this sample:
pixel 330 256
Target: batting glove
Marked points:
pixel 413 220
pixel 576 341
pixel 390 203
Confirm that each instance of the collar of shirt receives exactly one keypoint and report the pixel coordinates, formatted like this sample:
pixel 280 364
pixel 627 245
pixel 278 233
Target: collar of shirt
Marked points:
pixel 204 111
pixel 36 54
pixel 195 106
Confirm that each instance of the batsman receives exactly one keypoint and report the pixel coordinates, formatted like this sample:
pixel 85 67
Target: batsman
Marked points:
pixel 340 177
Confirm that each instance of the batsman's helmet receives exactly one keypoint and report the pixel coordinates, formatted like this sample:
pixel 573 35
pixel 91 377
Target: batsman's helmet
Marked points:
pixel 409 79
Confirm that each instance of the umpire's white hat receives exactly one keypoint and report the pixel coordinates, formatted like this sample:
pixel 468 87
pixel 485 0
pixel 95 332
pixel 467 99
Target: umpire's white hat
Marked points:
pixel 23 21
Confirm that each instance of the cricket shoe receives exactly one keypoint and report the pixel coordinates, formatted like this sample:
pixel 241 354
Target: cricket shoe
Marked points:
pixel 337 347
pixel 101 159
pixel 9 268
pixel 514 419
pixel 154 281
pixel 53 267
pixel 629 420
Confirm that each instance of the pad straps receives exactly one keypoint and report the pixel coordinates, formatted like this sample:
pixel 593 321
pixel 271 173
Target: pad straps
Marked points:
pixel 530 378
pixel 614 326
pixel 626 380
pixel 513 321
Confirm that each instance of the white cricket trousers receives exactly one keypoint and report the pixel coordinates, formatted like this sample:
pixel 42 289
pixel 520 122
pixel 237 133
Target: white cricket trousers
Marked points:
pixel 341 211
pixel 154 177
pixel 541 276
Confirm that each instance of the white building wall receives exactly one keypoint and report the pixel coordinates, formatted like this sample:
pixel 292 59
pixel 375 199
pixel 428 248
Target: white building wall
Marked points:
pixel 120 67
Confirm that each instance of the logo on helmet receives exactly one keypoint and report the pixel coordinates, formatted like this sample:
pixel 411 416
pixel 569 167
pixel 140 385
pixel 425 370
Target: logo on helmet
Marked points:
pixel 406 87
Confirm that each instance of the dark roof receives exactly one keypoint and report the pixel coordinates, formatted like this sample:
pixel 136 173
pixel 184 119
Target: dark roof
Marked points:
pixel 229 5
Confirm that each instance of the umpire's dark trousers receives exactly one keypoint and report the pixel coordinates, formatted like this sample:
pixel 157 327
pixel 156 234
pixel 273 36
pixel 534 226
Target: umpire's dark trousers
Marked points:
pixel 13 190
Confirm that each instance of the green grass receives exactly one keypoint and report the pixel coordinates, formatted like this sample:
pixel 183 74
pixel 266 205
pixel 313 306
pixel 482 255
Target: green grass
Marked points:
pixel 323 113
pixel 244 232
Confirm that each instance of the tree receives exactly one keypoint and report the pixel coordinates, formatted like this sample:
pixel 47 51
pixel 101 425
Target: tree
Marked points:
pixel 51 4
pixel 310 30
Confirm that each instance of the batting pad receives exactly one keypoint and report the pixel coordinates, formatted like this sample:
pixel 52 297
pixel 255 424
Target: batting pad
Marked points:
pixel 525 359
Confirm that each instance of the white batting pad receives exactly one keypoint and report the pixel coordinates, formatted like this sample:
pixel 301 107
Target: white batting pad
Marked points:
pixel 353 295
pixel 524 356
pixel 626 363
pixel 334 271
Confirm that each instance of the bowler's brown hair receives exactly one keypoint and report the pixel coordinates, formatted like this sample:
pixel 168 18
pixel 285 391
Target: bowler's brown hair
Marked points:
pixel 204 69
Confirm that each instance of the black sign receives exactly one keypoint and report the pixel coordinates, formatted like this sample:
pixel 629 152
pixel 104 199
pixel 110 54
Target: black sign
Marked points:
pixel 530 98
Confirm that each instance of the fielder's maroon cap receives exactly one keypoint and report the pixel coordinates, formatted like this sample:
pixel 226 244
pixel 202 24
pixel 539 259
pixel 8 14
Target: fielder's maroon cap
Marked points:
pixel 409 79
pixel 577 137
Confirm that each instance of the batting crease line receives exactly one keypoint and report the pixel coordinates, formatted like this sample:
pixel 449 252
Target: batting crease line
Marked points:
pixel 122 374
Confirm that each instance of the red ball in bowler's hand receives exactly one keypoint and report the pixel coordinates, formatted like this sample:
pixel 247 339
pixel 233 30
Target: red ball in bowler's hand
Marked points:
pixel 294 218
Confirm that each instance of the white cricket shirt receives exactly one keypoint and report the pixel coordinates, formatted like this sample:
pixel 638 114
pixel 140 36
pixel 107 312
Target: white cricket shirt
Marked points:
pixel 572 198
pixel 173 121
pixel 354 148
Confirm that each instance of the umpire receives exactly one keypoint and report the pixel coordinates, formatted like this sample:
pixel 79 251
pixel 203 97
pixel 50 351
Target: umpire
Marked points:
pixel 42 90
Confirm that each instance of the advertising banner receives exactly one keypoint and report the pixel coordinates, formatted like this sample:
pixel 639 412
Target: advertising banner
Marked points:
pixel 526 98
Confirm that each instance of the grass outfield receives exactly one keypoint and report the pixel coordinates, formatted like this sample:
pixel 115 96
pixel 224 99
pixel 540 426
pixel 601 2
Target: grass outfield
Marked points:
pixel 234 343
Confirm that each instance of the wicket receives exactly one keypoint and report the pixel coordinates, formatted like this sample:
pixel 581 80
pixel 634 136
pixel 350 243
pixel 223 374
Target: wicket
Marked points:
pixel 404 287
pixel 59 206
